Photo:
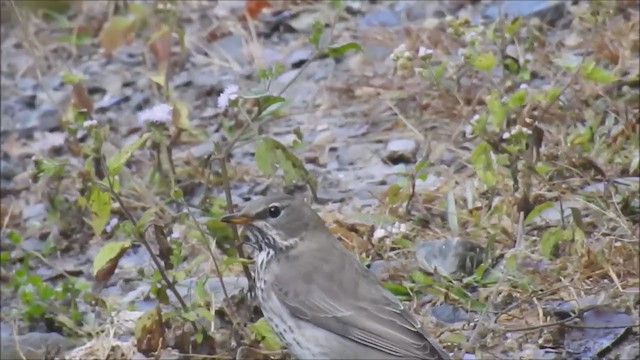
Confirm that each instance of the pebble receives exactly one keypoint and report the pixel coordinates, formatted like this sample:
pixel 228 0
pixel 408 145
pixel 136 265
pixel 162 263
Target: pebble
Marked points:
pixel 449 256
pixel 401 151
pixel 449 314
pixel 34 212
pixel 381 17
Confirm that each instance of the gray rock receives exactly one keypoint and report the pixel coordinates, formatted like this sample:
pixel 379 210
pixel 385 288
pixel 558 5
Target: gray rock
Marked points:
pixel 8 169
pixel 382 269
pixel 450 314
pixel 380 17
pixel 232 46
pixel 48 118
pixel 34 345
pixel 35 212
pixel 233 284
pixel 450 257
pixel 32 244
pixel 401 151
pixel 547 11
pixel 299 56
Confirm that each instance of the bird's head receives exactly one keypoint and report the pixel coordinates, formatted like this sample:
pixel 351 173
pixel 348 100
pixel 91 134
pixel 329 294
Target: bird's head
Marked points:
pixel 276 222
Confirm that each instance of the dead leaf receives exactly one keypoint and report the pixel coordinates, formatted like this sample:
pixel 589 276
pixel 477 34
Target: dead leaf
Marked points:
pixel 149 331
pixel 106 262
pixel 115 33
pixel 253 8
pixel 160 46
pixel 81 99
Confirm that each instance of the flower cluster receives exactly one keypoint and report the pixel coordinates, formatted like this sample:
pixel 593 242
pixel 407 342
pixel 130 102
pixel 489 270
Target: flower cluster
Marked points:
pixel 229 94
pixel 159 114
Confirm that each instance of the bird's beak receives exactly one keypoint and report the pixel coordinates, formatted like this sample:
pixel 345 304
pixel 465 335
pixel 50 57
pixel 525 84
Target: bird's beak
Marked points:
pixel 237 218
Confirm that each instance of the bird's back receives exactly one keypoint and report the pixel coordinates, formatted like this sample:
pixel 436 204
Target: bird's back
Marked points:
pixel 338 301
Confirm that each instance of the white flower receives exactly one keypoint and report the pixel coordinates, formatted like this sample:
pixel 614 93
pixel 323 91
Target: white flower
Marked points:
pixel 89 123
pixel 158 114
pixel 399 52
pixel 398 228
pixel 379 234
pixel 175 234
pixel 424 52
pixel 230 93
pixel 112 223
pixel 524 86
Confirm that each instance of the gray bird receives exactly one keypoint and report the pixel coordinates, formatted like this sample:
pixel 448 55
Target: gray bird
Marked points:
pixel 319 299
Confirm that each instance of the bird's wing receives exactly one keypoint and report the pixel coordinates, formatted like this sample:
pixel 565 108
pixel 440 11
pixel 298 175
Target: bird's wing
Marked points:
pixel 341 296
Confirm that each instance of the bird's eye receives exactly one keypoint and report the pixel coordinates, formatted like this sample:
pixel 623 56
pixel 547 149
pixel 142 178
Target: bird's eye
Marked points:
pixel 274 211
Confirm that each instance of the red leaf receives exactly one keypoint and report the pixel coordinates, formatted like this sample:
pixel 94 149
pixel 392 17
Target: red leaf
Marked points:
pixel 253 8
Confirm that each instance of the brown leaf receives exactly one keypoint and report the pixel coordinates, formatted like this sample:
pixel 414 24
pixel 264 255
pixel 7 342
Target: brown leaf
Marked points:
pixel 81 99
pixel 160 46
pixel 253 8
pixel 115 33
pixel 149 331
pixel 106 262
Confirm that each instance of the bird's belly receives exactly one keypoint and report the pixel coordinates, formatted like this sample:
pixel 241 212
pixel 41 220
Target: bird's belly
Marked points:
pixel 307 341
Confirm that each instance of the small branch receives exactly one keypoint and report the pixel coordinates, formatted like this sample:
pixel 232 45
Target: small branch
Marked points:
pixel 227 192
pixel 144 241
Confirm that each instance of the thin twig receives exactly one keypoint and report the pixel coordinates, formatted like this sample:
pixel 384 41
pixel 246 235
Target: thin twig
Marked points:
pixel 15 338
pixel 229 310
pixel 144 241
pixel 227 192
pixel 551 324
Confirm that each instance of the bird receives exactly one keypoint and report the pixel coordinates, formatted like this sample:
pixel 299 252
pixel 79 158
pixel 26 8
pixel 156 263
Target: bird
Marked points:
pixel 318 298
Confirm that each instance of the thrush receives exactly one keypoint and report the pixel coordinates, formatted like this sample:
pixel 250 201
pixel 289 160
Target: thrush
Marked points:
pixel 319 299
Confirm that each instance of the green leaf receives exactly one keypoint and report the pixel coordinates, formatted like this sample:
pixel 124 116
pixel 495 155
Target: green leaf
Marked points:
pixel 402 242
pixel 537 210
pixel 484 62
pixel 271 155
pixel 204 313
pixel 263 332
pixel 517 99
pixel 439 71
pixel 100 205
pixel 396 289
pixel 337 4
pixel 550 239
pixel 455 338
pixel 551 95
pixel 568 62
pixel 180 114
pixel 597 74
pixel 199 336
pixel 268 104
pixel 14 237
pixel 421 278
pixel 115 164
pixel 542 168
pixel 337 50
pixel 110 252
pixel 497 111
pixel 483 163
pixel 69 78
pixel 316 33
pixel 513 26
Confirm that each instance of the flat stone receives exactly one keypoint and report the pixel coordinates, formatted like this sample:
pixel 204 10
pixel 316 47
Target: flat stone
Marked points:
pixel 35 212
pixel 401 151
pixel 449 256
pixel 381 17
